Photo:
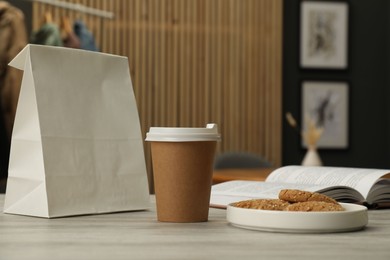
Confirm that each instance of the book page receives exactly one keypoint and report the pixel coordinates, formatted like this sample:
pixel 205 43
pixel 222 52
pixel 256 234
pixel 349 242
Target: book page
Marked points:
pixel 357 178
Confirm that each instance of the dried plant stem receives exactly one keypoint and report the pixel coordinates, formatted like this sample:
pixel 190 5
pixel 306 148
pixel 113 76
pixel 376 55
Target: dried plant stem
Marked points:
pixel 292 122
pixel 311 135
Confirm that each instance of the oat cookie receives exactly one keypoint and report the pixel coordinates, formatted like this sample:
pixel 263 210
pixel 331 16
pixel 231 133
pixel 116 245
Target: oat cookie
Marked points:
pixel 293 196
pixel 314 206
pixel 266 204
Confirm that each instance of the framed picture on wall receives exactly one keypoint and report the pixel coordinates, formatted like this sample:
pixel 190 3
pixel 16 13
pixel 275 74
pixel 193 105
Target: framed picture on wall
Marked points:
pixel 326 105
pixel 324 35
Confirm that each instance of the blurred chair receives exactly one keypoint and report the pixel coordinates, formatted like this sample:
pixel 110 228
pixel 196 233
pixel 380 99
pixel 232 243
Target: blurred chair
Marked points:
pixel 240 160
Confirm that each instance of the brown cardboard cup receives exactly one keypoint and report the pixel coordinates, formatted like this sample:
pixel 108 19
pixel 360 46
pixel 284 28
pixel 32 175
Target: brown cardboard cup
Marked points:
pixel 182 161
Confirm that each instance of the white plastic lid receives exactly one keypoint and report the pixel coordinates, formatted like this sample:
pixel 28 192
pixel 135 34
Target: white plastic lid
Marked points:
pixel 183 134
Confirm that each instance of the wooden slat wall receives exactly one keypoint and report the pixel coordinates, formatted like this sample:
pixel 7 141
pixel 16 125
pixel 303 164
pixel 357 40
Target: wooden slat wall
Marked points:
pixel 198 61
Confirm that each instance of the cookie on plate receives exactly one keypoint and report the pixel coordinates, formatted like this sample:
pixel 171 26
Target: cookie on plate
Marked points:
pixel 294 196
pixel 314 206
pixel 265 204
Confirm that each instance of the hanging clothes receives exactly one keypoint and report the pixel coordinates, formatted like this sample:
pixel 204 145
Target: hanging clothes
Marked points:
pixel 13 37
pixel 69 38
pixel 87 41
pixel 48 34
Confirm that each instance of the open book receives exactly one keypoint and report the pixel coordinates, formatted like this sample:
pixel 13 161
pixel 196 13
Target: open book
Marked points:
pixel 353 185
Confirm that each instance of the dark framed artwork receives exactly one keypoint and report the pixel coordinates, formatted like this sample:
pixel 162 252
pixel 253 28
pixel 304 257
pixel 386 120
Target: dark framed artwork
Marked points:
pixel 326 103
pixel 324 35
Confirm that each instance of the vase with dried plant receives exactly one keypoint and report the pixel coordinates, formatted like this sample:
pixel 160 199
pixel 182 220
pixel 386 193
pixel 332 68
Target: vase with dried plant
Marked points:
pixel 311 135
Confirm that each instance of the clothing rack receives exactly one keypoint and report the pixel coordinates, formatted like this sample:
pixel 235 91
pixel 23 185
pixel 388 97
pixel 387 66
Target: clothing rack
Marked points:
pixel 77 7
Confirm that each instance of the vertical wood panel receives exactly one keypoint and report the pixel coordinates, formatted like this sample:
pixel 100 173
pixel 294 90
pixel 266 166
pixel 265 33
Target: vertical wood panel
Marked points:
pixel 198 61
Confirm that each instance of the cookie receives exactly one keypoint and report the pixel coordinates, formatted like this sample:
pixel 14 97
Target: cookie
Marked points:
pixel 314 206
pixel 293 196
pixel 265 204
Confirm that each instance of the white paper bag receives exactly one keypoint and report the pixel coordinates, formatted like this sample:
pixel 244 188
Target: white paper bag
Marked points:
pixel 77 146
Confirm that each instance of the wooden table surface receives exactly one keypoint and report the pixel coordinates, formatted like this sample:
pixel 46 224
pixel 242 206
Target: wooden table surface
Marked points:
pixel 138 235
pixel 257 174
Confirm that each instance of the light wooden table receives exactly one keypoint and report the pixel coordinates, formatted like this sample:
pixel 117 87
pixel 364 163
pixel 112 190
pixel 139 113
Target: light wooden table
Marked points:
pixel 138 235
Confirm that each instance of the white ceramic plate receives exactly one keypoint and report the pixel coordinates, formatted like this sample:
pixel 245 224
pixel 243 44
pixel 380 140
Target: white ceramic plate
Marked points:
pixel 354 218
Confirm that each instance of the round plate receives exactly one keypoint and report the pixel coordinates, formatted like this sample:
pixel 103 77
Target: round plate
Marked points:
pixel 354 218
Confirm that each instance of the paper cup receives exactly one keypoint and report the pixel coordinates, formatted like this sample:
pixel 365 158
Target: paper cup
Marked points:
pixel 182 161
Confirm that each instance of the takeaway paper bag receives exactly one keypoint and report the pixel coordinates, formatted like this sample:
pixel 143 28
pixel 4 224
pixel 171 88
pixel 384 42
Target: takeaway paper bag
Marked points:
pixel 76 146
